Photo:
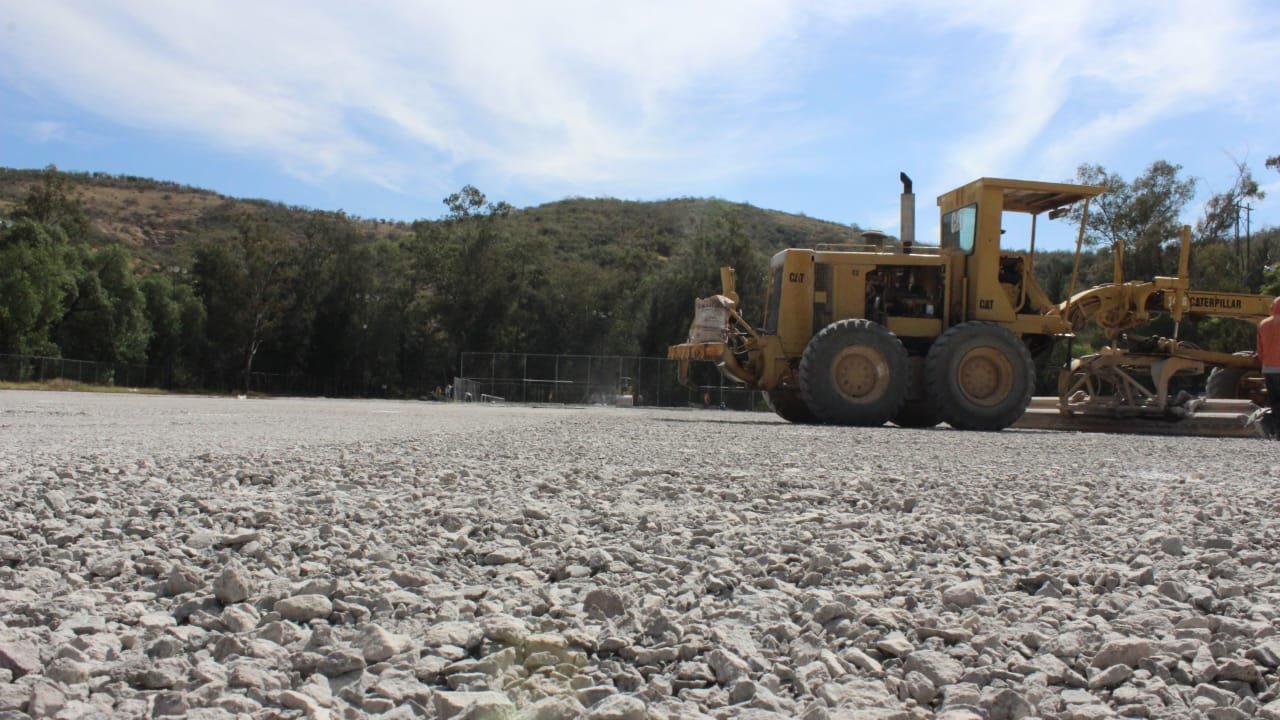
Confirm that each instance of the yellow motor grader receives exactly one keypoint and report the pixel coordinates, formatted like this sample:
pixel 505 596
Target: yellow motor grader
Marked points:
pixel 916 335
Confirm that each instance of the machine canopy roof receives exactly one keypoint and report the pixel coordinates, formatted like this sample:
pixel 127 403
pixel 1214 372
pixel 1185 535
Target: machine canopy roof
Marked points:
pixel 1034 197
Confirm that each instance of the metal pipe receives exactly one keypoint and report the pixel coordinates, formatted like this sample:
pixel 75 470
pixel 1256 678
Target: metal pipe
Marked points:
pixel 907 209
pixel 729 283
pixel 1117 271
pixel 1184 279
pixel 1184 255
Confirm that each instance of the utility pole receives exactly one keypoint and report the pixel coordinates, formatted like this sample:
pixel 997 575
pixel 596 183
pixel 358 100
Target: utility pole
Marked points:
pixel 1248 226
pixel 1248 217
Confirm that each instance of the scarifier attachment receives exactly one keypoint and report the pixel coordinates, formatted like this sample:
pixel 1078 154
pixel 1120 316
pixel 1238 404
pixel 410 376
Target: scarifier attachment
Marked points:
pixel 1205 418
pixel 1123 391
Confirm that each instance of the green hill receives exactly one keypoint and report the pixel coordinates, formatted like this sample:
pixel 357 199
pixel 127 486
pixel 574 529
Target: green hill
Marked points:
pixel 155 216
pixel 212 287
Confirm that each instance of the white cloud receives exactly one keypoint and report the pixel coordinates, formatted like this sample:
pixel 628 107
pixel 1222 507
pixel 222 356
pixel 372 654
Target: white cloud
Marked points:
pixel 1019 82
pixel 47 131
pixel 638 98
pixel 1120 68
pixel 561 91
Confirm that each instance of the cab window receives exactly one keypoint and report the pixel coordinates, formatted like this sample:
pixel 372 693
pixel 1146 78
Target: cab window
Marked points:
pixel 959 228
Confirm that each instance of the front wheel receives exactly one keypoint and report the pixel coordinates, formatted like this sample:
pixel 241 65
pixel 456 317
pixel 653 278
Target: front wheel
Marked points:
pixel 980 375
pixel 855 372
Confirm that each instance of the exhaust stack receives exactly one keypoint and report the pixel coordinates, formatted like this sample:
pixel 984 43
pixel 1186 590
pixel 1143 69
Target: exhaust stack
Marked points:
pixel 908 214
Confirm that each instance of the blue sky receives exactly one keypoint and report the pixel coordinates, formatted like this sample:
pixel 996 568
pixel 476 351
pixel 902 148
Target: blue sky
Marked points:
pixel 382 109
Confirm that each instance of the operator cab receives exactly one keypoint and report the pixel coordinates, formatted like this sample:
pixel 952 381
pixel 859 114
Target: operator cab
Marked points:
pixel 1001 281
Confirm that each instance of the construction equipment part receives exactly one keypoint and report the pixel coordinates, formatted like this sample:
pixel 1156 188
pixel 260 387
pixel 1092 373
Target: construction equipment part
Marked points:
pixel 917 335
pixel 1210 418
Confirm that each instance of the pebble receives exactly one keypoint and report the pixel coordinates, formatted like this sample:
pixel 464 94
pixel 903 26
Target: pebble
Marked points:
pixel 1124 651
pixel 19 659
pixel 303 608
pixel 605 563
pixel 233 585
pixel 604 603
pixel 341 662
pixel 376 644
pixel 619 707
pixel 965 594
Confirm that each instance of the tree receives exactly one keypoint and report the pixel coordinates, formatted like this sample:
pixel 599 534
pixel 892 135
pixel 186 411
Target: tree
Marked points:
pixel 34 283
pixel 1271 274
pixel 1220 226
pixel 1222 211
pixel 694 271
pixel 468 278
pixel 353 339
pixel 245 283
pixel 50 202
pixel 105 315
pixel 1140 217
pixel 177 318
pixel 131 330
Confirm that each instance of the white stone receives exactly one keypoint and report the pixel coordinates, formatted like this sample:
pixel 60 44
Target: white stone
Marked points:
pixel 233 585
pixel 303 608
pixel 376 644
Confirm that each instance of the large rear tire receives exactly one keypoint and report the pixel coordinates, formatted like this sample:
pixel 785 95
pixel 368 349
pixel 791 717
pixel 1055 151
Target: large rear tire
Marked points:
pixel 855 372
pixel 790 406
pixel 981 376
pixel 1232 383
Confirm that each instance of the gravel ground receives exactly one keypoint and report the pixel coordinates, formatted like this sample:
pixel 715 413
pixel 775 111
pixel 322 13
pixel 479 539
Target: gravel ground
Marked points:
pixel 215 558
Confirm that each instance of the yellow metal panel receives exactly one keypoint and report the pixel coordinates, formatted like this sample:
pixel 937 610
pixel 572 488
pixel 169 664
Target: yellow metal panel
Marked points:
pixel 849 291
pixel 795 312
pixel 1040 325
pixel 987 300
pixel 914 327
pixel 1027 196
pixel 1223 304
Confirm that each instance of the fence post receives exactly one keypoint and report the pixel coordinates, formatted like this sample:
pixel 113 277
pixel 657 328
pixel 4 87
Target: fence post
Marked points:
pixel 658 388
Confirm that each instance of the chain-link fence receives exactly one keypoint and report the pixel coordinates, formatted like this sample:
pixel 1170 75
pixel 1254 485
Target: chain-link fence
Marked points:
pixel 35 368
pixel 493 377
pixel 595 380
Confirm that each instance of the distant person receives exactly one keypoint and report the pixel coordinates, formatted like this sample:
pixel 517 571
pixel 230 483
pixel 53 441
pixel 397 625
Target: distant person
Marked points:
pixel 1269 358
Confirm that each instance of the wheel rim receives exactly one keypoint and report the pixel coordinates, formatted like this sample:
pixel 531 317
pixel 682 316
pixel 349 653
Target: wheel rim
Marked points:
pixel 860 374
pixel 985 376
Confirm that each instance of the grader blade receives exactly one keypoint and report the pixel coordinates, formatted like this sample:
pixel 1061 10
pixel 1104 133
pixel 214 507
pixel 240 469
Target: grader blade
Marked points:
pixel 1211 418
